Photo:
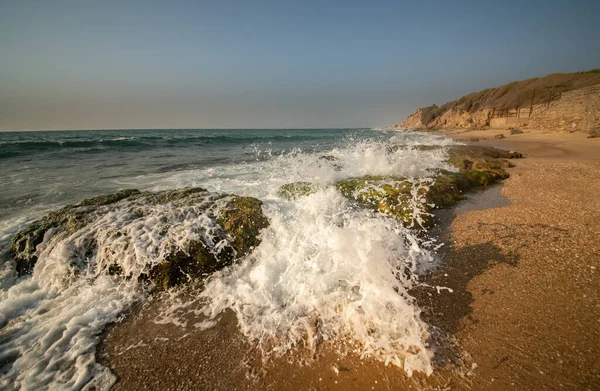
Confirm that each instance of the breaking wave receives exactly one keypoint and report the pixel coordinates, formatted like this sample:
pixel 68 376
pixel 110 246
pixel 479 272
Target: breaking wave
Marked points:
pixel 325 271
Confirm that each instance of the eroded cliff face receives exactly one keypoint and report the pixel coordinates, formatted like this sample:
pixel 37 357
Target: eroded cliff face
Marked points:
pixel 451 119
pixel 577 110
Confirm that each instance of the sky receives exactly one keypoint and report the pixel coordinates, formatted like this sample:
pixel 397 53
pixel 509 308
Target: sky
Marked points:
pixel 109 64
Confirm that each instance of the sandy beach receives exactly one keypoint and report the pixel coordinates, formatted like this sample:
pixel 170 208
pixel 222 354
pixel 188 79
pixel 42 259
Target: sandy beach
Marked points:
pixel 523 312
pixel 276 196
pixel 531 268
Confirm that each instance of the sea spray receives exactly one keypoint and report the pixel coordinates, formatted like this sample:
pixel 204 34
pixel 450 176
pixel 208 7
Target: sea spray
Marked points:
pixel 50 321
pixel 326 270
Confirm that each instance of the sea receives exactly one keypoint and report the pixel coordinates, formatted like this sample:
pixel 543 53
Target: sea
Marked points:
pixel 320 258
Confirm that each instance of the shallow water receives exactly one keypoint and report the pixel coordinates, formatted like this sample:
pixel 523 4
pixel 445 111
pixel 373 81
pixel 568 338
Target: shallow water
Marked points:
pixel 321 262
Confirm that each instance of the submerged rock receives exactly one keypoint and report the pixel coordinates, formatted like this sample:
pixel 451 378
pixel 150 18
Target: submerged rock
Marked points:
pixel 229 228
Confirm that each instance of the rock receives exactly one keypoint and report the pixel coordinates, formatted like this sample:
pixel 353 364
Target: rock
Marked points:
pixel 420 147
pixel 482 157
pixel 234 225
pixel 412 201
pixel 387 194
pixel 514 131
pixel 329 158
pixel 297 189
pixel 514 155
pixel 243 219
pixel 594 133
pixel 499 136
pixel 72 217
pixel 474 139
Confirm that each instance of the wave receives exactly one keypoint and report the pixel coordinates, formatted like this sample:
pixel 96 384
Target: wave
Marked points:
pixel 26 147
pixel 324 271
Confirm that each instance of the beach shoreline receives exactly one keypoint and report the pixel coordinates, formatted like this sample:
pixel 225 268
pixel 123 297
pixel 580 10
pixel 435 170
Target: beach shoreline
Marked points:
pixel 532 319
pixel 522 313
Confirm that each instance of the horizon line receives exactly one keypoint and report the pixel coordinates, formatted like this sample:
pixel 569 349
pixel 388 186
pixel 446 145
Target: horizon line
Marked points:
pixel 116 129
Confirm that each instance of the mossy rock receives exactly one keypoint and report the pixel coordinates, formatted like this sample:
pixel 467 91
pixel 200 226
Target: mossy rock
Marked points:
pixel 236 231
pixel 482 165
pixel 388 195
pixel 243 219
pixel 485 157
pixel 110 198
pixel 447 189
pixel 71 217
pixel 297 189
pixel 419 147
pixel 196 261
pixel 396 196
pixel 401 198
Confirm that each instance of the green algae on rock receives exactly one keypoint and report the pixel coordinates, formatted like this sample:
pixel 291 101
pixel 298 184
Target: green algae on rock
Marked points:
pixel 243 219
pixel 297 189
pixel 71 217
pixel 412 201
pixel 389 195
pixel 230 229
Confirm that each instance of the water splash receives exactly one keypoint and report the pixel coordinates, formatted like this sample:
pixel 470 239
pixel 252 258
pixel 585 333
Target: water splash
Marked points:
pixel 325 270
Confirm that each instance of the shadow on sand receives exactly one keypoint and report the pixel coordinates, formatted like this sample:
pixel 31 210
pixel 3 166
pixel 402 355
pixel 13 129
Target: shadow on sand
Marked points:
pixel 448 312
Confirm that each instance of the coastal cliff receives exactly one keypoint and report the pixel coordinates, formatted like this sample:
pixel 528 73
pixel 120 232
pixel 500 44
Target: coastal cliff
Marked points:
pixel 557 102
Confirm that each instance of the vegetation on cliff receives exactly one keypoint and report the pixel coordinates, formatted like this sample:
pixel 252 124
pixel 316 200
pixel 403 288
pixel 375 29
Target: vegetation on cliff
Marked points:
pixel 473 110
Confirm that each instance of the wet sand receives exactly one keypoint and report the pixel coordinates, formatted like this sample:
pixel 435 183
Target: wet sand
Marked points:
pixel 524 312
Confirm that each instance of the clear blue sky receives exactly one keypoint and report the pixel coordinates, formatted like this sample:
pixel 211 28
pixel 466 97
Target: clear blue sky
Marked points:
pixel 202 64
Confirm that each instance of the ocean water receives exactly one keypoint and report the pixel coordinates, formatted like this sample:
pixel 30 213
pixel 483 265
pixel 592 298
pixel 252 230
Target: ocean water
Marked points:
pixel 321 261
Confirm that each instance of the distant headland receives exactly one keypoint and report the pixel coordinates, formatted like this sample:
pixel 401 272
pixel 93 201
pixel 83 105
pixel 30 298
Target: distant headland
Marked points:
pixel 556 102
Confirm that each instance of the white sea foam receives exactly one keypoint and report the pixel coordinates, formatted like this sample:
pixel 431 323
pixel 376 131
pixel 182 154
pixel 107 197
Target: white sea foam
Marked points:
pixel 325 270
pixel 263 178
pixel 50 320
